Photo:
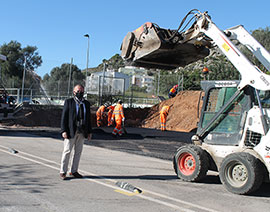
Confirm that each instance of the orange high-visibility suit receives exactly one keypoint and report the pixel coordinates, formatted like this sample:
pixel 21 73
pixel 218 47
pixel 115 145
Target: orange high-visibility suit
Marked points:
pixel 163 116
pixel 118 116
pixel 100 115
pixel 110 112
pixel 173 91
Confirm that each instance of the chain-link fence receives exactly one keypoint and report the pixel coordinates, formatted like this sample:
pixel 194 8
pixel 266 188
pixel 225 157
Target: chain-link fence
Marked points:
pixel 163 83
pixel 101 89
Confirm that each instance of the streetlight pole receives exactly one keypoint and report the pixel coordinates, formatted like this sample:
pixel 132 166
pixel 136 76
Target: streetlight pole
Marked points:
pixel 70 71
pixel 24 70
pixel 87 59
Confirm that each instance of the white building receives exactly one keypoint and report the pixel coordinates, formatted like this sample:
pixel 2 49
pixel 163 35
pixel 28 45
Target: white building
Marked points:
pixel 139 77
pixel 144 81
pixel 112 82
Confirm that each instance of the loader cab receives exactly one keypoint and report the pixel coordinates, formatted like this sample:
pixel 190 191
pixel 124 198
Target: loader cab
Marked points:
pixel 223 112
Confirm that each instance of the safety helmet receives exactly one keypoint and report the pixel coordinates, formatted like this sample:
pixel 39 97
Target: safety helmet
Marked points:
pixel 205 70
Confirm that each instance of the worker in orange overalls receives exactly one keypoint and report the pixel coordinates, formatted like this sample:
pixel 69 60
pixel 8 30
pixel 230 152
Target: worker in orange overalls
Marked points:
pixel 173 91
pixel 163 116
pixel 110 112
pixel 100 115
pixel 118 116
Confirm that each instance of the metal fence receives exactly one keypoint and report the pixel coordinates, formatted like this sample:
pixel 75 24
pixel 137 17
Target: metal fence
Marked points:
pixel 163 83
pixel 101 89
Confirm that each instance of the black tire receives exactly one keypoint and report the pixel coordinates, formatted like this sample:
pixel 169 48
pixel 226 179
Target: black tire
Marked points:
pixel 241 173
pixel 191 163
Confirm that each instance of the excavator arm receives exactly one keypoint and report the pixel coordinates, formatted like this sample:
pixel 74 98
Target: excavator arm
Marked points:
pixel 153 47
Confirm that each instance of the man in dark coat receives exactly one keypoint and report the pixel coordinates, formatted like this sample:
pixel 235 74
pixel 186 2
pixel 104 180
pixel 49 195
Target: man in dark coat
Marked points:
pixel 75 128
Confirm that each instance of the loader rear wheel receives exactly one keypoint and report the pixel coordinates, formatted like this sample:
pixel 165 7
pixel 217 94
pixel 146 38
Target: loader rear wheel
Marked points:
pixel 191 163
pixel 241 173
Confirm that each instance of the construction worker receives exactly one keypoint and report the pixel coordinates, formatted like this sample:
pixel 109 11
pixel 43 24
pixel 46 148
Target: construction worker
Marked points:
pixel 110 113
pixel 173 91
pixel 100 115
pixel 205 72
pixel 163 116
pixel 118 116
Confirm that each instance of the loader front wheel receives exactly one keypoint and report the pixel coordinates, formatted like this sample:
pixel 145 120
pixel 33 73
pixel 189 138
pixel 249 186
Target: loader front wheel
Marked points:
pixel 191 163
pixel 241 173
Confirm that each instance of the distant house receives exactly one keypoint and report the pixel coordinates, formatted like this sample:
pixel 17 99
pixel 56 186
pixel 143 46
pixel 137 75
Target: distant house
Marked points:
pixel 144 81
pixel 112 83
pixel 139 77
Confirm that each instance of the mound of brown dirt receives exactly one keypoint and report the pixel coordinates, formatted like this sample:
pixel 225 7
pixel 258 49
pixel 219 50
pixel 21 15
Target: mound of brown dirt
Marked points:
pixel 36 116
pixel 183 114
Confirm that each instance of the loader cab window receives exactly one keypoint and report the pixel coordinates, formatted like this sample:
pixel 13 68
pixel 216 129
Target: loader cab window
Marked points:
pixel 227 126
pixel 265 98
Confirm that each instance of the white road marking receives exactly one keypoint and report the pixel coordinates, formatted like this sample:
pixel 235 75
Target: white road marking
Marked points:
pixel 142 195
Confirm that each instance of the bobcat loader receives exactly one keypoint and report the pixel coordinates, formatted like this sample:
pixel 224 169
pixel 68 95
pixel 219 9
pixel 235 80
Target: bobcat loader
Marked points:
pixel 233 135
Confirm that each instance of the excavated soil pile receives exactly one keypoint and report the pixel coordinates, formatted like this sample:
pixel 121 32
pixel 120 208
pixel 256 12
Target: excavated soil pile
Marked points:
pixel 182 115
pixel 35 116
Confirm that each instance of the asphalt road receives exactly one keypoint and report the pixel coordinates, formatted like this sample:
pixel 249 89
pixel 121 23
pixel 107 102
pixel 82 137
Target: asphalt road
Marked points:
pixel 133 173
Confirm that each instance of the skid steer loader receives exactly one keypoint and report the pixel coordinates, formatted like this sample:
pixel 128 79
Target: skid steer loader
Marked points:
pixel 233 135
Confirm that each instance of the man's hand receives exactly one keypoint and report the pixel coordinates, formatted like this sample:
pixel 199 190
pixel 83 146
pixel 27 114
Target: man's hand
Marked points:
pixel 89 137
pixel 64 135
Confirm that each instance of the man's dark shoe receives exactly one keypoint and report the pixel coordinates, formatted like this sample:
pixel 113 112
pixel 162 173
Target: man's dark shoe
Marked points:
pixel 63 176
pixel 76 175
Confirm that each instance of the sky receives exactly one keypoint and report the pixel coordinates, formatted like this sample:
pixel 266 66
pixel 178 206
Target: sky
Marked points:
pixel 57 27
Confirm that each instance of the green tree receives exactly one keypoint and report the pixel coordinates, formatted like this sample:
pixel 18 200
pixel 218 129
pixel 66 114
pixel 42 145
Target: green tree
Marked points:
pixel 263 37
pixel 192 79
pixel 167 80
pixel 12 69
pixel 221 69
pixel 57 82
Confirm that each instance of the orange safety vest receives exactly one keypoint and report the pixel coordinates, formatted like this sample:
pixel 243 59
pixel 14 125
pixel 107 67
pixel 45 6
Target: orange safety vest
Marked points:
pixel 111 108
pixel 118 112
pixel 163 116
pixel 110 112
pixel 118 115
pixel 173 90
pixel 100 112
pixel 165 110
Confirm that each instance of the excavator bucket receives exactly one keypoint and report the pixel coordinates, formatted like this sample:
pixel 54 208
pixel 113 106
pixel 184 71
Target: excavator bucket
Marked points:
pixel 150 46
